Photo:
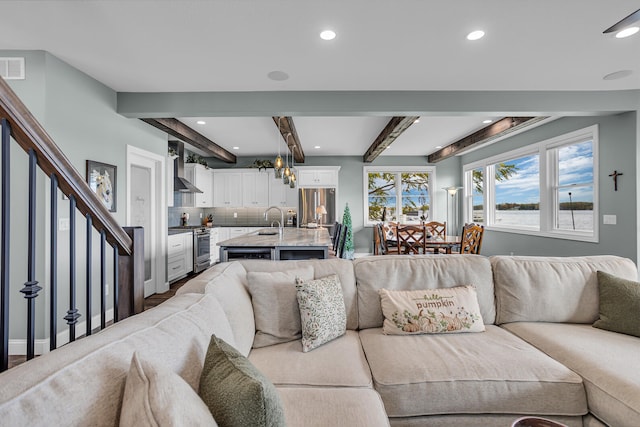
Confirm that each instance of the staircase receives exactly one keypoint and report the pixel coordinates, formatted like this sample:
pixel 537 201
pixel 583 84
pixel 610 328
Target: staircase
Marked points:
pixel 18 126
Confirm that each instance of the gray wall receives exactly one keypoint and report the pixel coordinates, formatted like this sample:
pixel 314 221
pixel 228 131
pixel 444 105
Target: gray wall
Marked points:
pixel 80 115
pixel 617 151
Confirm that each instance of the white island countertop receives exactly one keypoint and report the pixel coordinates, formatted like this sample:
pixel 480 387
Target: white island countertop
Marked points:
pixel 291 236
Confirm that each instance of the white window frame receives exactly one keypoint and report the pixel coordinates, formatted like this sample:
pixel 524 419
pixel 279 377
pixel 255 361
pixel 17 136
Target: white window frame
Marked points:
pixel 547 152
pixel 431 170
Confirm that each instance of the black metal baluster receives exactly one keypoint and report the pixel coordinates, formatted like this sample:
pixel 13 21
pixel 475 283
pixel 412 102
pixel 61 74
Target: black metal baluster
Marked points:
pixel 72 313
pixel 89 260
pixel 31 287
pixel 5 279
pixel 53 272
pixel 103 279
pixel 115 284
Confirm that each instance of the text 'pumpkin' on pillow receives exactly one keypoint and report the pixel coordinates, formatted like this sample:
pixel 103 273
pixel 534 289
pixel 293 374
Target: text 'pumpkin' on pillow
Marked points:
pixel 431 311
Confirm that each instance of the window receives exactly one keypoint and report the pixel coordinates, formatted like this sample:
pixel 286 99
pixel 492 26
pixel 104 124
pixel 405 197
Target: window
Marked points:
pixel 398 194
pixel 548 188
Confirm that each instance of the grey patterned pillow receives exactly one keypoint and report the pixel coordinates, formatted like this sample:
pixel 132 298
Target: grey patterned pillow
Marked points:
pixel 322 312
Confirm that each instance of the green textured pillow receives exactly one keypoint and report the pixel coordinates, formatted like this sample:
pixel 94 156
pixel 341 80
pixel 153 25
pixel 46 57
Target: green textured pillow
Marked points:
pixel 619 305
pixel 236 393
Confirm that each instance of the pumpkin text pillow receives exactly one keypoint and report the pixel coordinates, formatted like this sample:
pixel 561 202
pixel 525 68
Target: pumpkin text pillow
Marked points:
pixel 431 311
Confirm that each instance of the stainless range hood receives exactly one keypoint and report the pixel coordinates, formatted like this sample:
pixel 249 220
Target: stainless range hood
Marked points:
pixel 180 184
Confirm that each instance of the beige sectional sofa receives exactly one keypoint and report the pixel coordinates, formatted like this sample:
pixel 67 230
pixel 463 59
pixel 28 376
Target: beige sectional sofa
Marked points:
pixel 539 354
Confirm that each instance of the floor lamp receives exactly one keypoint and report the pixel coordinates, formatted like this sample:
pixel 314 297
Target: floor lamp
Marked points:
pixel 452 193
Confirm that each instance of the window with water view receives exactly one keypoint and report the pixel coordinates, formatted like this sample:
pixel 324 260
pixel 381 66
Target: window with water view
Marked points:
pixel 397 195
pixel 509 191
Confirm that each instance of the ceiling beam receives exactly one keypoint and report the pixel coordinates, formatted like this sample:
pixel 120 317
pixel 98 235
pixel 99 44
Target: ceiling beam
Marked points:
pixel 391 131
pixel 286 127
pixel 176 128
pixel 494 131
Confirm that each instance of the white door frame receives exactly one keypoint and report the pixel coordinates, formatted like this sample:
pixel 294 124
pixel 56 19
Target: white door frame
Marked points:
pixel 158 230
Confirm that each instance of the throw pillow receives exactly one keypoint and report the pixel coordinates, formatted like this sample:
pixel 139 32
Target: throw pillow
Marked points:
pixel 431 311
pixel 619 305
pixel 322 311
pixel 150 398
pixel 236 393
pixel 273 295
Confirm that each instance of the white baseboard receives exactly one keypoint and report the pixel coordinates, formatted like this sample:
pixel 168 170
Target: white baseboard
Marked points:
pixel 361 254
pixel 19 346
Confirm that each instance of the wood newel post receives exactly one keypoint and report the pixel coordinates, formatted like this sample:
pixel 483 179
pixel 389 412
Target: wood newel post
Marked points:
pixel 131 276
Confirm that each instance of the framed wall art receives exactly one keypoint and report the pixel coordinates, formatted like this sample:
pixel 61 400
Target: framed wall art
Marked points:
pixel 101 177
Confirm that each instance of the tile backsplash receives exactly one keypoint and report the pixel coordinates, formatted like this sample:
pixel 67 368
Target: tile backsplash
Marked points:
pixel 225 216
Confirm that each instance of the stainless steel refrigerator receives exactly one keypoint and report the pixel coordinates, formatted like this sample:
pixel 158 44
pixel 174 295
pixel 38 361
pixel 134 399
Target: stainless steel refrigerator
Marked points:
pixel 308 202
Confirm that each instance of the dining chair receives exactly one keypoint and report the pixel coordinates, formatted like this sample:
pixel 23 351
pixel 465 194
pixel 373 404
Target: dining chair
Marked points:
pixel 342 240
pixel 437 229
pixel 385 246
pixel 335 239
pixel 471 238
pixel 411 239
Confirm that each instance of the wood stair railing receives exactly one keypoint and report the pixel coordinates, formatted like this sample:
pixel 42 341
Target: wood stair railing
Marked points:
pixel 19 124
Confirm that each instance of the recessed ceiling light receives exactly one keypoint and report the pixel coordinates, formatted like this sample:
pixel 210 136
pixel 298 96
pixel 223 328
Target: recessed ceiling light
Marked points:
pixel 416 121
pixel 236 148
pixel 487 121
pixel 278 75
pixel 627 32
pixel 618 75
pixel 328 35
pixel 317 147
pixel 438 146
pixel 201 122
pixel 475 35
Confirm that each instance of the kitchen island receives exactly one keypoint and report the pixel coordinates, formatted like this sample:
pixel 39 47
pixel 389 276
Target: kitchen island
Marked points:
pixel 267 243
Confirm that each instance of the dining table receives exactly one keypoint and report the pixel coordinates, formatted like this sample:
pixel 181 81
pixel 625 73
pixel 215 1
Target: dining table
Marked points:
pixel 446 243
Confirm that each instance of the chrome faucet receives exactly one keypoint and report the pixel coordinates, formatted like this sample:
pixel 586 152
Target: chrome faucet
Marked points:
pixel 280 224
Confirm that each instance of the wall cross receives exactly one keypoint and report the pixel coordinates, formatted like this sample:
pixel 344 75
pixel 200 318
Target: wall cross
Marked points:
pixel 615 176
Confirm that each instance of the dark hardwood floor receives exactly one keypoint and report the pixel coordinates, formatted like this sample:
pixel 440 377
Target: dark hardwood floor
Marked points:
pixel 150 302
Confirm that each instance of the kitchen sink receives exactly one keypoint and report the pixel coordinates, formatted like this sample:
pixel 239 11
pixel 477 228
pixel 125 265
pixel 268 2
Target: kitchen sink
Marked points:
pixel 267 232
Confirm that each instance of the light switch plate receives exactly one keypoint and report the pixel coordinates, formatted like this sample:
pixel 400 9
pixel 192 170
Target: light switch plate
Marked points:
pixel 63 224
pixel 609 219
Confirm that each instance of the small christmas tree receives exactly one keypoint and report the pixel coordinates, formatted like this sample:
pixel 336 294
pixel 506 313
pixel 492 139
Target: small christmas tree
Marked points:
pixel 348 245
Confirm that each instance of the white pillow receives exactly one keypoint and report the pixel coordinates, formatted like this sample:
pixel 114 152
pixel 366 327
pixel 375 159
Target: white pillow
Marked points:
pixel 322 311
pixel 275 308
pixel 156 396
pixel 431 311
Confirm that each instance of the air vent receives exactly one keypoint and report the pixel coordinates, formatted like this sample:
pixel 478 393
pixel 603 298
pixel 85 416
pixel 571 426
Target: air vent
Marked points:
pixel 12 68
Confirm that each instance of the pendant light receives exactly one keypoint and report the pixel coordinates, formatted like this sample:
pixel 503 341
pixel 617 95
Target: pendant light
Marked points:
pixel 292 178
pixel 286 173
pixel 277 164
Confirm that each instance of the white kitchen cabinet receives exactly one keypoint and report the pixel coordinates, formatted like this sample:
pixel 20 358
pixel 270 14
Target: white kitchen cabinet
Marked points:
pixel 179 255
pixel 227 189
pixel 202 178
pixel 281 195
pixel 317 176
pixel 214 250
pixel 255 189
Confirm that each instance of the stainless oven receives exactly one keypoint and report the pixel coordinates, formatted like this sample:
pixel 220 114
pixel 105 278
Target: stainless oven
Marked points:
pixel 201 249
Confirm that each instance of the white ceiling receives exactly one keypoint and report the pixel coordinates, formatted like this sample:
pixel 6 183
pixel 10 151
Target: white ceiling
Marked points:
pixel 231 45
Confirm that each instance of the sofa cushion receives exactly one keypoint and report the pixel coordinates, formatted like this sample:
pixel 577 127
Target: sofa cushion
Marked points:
pixel 433 311
pixel 321 268
pixel 619 305
pixel 275 307
pixel 608 363
pixel 236 392
pixel 481 420
pixel 412 272
pixel 339 363
pixel 322 311
pixel 552 289
pixel 229 286
pixel 322 407
pixel 90 373
pixel 492 372
pixel 150 398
